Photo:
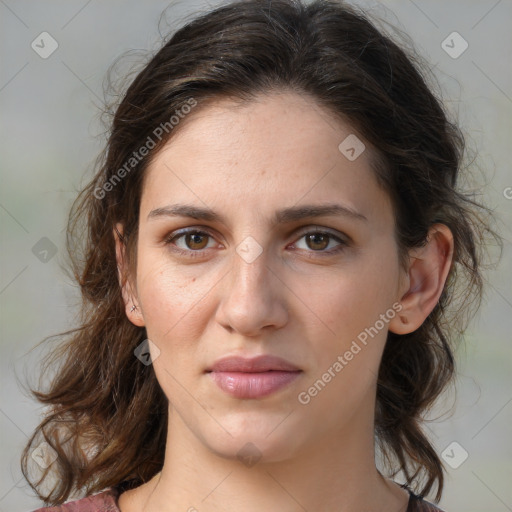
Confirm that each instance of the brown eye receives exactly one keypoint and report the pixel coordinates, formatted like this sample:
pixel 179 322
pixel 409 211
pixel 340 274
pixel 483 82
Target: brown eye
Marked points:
pixel 196 241
pixel 191 241
pixel 317 241
pixel 321 242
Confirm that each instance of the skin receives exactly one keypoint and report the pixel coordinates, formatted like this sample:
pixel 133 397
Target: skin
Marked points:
pixel 295 300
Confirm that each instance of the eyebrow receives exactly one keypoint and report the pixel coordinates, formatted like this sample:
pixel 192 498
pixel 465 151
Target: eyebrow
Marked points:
pixel 285 215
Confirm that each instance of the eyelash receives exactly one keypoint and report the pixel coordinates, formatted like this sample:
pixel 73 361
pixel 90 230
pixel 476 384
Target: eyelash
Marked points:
pixel 198 253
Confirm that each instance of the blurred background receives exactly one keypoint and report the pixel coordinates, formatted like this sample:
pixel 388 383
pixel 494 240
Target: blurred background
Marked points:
pixel 54 58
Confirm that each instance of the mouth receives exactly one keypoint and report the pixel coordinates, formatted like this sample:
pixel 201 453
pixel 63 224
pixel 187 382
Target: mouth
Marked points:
pixel 252 378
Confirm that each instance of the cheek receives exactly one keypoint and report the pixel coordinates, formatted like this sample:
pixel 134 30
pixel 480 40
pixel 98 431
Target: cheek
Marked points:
pixel 345 311
pixel 169 298
pixel 346 339
pixel 344 302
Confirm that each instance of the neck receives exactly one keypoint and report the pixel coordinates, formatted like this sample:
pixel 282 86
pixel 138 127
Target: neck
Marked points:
pixel 335 473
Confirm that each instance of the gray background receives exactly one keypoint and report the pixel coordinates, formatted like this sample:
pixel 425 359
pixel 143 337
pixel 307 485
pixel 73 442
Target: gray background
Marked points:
pixel 50 136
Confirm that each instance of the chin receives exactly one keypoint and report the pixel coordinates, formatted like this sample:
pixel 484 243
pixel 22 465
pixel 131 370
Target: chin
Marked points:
pixel 256 439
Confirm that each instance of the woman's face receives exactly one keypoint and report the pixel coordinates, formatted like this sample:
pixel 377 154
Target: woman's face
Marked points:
pixel 255 280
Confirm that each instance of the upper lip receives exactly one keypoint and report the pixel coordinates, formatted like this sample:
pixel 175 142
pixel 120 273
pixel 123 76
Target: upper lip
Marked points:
pixel 261 363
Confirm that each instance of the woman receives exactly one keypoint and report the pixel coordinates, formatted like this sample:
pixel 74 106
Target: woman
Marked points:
pixel 268 256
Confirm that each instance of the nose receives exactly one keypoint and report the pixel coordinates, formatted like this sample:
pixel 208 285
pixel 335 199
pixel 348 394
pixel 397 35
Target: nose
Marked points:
pixel 252 296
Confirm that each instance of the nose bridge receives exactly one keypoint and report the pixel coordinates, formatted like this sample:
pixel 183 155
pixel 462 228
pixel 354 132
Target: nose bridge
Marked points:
pixel 250 257
pixel 251 298
pixel 250 269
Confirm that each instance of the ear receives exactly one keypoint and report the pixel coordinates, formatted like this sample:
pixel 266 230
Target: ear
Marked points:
pixel 424 282
pixel 132 306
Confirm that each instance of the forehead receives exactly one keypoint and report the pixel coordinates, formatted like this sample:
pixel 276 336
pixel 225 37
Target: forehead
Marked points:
pixel 280 149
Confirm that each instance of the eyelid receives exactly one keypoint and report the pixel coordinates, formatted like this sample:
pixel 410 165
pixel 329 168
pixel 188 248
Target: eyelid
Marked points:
pixel 168 239
pixel 328 231
pixel 343 239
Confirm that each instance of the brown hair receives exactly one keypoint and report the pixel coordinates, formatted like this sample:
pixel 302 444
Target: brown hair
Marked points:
pixel 108 416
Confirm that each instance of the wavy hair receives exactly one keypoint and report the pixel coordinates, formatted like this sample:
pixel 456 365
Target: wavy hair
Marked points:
pixel 107 415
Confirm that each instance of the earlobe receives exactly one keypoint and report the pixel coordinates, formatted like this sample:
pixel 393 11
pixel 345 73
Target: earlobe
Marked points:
pixel 427 274
pixel 132 307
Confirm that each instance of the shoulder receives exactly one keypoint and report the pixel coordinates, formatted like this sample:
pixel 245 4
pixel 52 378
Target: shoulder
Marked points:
pixel 105 501
pixel 418 504
pixel 425 506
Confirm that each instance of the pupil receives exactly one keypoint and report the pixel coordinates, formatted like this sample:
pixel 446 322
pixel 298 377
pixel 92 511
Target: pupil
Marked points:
pixel 194 238
pixel 314 238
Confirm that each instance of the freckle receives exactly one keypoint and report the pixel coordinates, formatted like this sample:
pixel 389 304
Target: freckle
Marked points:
pixel 193 279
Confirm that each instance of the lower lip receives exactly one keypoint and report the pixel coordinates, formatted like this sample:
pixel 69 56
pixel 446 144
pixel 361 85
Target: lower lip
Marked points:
pixel 253 385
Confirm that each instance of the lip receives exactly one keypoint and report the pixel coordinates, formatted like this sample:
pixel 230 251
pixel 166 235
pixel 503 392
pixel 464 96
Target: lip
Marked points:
pixel 257 364
pixel 252 377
